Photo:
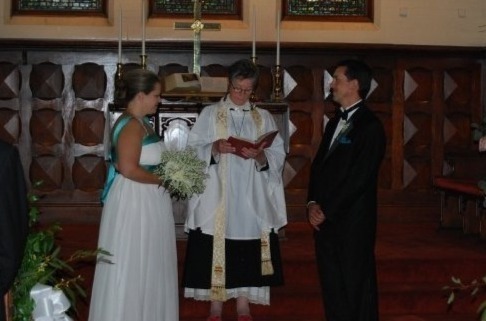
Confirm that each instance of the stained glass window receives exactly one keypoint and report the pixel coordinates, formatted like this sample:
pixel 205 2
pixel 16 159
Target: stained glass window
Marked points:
pixel 224 9
pixel 59 7
pixel 341 10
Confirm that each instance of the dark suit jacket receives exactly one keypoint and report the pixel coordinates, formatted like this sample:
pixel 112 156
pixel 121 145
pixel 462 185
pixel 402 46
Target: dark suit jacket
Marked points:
pixel 343 182
pixel 344 176
pixel 13 218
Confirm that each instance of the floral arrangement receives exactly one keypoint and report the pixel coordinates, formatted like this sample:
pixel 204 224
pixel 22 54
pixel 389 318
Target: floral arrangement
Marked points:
pixel 478 130
pixel 474 288
pixel 182 173
pixel 43 275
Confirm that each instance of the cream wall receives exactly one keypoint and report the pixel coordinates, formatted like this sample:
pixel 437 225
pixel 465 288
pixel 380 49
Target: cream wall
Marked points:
pixel 417 22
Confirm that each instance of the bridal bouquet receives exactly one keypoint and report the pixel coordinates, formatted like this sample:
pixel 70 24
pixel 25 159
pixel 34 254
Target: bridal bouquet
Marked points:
pixel 182 172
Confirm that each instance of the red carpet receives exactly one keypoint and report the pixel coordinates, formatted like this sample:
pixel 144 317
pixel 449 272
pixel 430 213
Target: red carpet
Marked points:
pixel 414 262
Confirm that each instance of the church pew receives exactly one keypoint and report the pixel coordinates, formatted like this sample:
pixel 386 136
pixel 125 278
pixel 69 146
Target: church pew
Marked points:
pixel 461 201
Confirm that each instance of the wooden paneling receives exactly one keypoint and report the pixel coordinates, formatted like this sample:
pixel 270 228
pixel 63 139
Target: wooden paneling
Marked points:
pixel 54 98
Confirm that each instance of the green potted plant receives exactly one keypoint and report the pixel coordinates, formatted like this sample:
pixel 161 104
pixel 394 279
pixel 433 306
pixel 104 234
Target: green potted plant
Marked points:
pixel 43 267
pixel 474 287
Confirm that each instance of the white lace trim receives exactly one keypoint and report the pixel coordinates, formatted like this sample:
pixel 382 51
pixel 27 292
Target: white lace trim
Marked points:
pixel 256 295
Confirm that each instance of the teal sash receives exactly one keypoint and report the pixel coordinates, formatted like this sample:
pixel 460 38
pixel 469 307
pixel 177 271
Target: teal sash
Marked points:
pixel 112 172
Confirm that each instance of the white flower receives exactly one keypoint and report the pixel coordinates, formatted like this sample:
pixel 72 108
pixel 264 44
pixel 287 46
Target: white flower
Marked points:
pixel 182 172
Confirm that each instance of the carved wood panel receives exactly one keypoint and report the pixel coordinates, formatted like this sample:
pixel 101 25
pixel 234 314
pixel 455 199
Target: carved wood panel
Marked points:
pixel 53 107
pixel 67 129
pixel 10 80
pixel 10 83
pixel 441 100
pixel 380 100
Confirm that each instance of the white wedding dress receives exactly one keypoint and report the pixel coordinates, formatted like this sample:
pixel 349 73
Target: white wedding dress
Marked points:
pixel 137 228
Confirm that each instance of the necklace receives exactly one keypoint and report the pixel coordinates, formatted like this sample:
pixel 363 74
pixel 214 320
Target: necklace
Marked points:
pixel 238 131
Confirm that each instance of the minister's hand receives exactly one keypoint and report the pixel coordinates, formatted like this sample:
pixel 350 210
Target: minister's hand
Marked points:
pixel 256 154
pixel 221 146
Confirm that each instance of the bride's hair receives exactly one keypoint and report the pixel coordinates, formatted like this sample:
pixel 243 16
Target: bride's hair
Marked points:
pixel 138 80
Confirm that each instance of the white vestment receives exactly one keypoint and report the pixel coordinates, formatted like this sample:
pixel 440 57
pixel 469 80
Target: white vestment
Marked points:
pixel 255 201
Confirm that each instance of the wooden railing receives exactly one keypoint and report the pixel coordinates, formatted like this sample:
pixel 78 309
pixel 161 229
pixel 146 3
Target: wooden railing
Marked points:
pixel 462 202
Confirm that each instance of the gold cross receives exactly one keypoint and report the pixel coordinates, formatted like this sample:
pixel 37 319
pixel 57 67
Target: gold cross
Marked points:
pixel 197 26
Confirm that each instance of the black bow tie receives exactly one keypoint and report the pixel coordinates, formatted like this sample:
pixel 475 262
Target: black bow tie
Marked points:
pixel 344 114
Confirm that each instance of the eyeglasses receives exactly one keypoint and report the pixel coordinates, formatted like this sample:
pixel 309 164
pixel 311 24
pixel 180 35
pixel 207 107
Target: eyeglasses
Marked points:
pixel 239 90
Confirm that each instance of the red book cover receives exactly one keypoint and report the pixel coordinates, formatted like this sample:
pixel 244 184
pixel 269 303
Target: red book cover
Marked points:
pixel 239 142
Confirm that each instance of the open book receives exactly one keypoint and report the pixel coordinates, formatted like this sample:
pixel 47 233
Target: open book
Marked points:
pixel 239 143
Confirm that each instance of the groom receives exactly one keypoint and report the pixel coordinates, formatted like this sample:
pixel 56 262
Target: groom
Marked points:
pixel 13 218
pixel 342 199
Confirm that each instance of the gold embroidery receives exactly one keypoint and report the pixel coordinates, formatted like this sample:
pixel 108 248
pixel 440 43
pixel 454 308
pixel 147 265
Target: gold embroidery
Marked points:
pixel 218 274
pixel 267 267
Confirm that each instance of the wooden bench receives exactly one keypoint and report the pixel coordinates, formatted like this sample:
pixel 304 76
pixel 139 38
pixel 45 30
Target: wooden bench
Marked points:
pixel 462 204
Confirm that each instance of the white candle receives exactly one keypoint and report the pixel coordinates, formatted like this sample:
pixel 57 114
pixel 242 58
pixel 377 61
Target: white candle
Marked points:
pixel 278 39
pixel 120 37
pixel 143 28
pixel 253 48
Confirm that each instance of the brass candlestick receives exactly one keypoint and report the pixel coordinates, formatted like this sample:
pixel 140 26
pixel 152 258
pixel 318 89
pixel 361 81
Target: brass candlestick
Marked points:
pixel 143 61
pixel 277 83
pixel 119 86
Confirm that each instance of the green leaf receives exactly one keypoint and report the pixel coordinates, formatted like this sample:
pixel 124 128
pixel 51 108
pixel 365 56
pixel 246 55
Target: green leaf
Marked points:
pixel 482 310
pixel 451 298
pixel 482 185
pixel 474 291
pixel 80 290
pixel 484 279
pixel 38 183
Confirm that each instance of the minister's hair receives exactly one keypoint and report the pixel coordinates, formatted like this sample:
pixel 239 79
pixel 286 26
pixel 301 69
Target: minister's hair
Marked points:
pixel 244 69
